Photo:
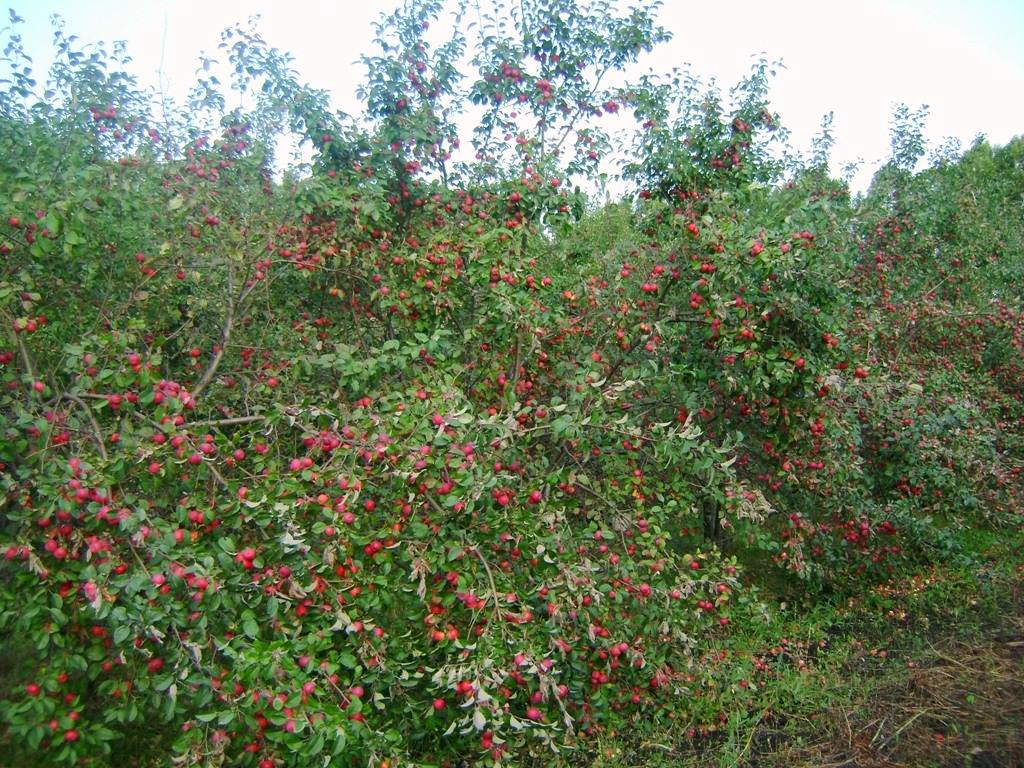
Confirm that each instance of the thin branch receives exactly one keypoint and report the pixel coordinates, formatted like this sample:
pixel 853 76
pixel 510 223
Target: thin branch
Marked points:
pixel 225 334
pixel 96 432
pixel 625 356
pixel 490 580
pixel 217 476
pixel 26 356
pixel 514 373
pixel 228 422
pixel 579 110
pixel 11 238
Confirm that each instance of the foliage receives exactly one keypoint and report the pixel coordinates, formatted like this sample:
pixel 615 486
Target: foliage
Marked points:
pixel 411 458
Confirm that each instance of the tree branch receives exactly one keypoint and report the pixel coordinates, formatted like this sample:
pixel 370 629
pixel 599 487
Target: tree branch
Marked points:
pixel 96 432
pixel 225 334
pixel 19 341
pixel 26 358
pixel 228 422
pixel 494 589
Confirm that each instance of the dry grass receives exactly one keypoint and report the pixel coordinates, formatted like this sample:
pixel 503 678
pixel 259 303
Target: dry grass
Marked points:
pixel 934 680
pixel 960 705
pixel 965 708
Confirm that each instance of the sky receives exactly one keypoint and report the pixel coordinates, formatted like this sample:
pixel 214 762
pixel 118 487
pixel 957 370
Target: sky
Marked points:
pixel 854 59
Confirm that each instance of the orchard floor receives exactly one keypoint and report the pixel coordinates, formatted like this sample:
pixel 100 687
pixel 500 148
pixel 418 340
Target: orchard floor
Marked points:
pixel 925 671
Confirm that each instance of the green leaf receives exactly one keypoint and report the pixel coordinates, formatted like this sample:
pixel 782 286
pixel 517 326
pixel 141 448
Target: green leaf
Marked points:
pixel 347 660
pixel 340 741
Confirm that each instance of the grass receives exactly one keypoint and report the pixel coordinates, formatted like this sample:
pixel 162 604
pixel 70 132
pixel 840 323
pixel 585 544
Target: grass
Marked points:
pixel 925 671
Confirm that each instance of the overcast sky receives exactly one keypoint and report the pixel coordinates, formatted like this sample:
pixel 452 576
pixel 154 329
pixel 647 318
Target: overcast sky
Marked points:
pixel 856 59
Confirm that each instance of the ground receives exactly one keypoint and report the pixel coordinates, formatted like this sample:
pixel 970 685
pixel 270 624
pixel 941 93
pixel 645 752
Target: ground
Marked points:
pixel 919 672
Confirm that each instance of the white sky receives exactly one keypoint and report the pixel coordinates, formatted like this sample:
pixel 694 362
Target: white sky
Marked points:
pixel 856 59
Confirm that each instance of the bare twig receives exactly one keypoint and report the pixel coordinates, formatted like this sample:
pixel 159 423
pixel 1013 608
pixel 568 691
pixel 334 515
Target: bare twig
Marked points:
pixel 901 729
pixel 26 358
pixel 96 432
pixel 225 334
pixel 494 588
pixel 218 476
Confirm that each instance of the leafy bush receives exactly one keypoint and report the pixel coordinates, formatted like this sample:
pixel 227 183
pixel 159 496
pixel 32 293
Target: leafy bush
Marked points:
pixel 407 457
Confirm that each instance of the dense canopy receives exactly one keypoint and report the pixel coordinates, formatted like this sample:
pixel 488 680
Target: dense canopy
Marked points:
pixel 425 452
